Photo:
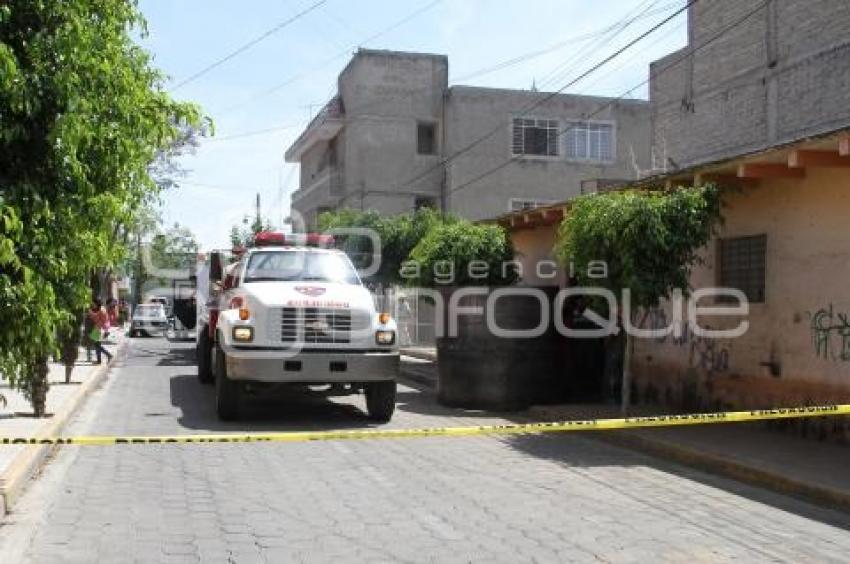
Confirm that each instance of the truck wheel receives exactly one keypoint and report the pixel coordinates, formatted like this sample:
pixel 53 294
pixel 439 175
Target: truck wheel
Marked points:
pixel 227 392
pixel 203 351
pixel 380 400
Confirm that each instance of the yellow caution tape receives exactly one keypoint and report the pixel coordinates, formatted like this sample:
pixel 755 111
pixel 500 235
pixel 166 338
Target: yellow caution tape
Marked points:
pixel 519 428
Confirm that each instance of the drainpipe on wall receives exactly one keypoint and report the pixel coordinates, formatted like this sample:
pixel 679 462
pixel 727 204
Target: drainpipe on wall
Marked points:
pixel 444 199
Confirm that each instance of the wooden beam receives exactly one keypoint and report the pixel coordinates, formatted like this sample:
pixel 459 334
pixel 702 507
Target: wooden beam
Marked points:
pixel 802 159
pixel 729 180
pixel 769 170
pixel 844 147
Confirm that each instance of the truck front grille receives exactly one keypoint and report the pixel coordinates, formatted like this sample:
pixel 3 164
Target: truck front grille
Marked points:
pixel 315 325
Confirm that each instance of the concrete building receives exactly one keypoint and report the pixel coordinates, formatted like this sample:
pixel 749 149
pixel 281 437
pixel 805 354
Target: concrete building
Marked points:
pixel 396 137
pixel 754 75
pixel 764 108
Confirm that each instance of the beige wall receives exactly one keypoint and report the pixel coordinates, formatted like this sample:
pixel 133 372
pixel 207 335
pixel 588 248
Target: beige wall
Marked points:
pixel 806 286
pixel 533 245
pixel 479 129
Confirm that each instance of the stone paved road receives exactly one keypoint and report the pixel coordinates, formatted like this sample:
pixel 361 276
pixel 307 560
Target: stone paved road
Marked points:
pixel 481 499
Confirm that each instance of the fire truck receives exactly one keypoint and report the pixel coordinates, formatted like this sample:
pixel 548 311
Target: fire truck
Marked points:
pixel 291 311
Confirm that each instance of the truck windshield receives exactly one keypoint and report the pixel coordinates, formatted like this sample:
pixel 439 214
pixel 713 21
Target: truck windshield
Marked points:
pixel 270 266
pixel 150 310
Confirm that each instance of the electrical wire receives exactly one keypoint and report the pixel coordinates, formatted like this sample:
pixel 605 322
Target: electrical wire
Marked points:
pixel 562 71
pixel 553 47
pixel 686 53
pixel 253 133
pixel 248 45
pixel 296 77
pixel 548 96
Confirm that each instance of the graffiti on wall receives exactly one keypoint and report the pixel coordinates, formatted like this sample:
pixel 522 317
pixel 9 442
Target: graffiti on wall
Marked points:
pixel 705 353
pixel 831 334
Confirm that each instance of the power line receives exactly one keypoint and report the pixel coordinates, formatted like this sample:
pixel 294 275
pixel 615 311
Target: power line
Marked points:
pixel 554 47
pixel 296 77
pixel 562 72
pixel 400 22
pixel 686 53
pixel 248 45
pixel 549 96
pixel 252 133
pixel 658 40
pixel 214 186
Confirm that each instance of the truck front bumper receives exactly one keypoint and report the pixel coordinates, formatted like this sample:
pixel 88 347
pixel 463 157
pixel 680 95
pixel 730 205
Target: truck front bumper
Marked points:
pixel 313 366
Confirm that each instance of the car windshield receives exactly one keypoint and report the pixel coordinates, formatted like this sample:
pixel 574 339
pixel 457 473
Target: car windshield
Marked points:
pixel 150 310
pixel 300 265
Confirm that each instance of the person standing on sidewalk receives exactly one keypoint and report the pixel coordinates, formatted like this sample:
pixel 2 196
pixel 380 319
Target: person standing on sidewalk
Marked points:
pixel 112 312
pixel 88 326
pixel 99 322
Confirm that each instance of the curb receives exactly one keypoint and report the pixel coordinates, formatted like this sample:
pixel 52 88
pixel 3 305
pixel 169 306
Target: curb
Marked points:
pixel 719 466
pixel 418 376
pixel 16 477
pixel 711 464
pixel 727 468
pixel 419 353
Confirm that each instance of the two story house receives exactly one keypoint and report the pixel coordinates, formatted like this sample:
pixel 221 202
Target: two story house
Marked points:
pixel 397 137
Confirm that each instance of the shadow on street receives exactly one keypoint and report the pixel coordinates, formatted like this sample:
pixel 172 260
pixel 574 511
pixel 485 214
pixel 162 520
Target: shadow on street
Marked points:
pixel 290 411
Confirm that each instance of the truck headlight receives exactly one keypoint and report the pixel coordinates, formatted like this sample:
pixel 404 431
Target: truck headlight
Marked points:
pixel 385 337
pixel 243 334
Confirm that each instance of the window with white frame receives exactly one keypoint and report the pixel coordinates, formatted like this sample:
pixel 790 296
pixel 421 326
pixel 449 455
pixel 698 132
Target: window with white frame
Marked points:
pixel 589 141
pixel 535 137
pixel 519 204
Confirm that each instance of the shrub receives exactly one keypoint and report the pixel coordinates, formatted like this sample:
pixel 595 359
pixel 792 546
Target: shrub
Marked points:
pixel 451 247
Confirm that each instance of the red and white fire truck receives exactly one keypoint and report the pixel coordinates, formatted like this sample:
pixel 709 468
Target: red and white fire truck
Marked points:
pixel 292 311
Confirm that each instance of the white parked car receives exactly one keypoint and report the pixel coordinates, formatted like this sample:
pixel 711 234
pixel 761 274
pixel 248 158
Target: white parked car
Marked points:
pixel 296 315
pixel 148 319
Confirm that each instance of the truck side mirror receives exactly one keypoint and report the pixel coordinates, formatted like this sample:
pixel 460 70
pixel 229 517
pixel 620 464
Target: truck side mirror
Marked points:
pixel 216 267
pixel 216 274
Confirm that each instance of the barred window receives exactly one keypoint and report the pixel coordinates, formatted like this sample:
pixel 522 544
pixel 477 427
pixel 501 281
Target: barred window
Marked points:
pixel 519 204
pixel 590 141
pixel 742 262
pixel 426 142
pixel 535 137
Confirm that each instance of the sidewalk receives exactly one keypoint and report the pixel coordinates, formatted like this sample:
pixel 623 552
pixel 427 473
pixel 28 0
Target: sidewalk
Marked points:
pixel 422 353
pixel 747 452
pixel 19 462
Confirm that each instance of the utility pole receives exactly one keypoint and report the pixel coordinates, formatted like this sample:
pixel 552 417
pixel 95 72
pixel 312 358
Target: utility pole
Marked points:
pixel 137 286
pixel 257 226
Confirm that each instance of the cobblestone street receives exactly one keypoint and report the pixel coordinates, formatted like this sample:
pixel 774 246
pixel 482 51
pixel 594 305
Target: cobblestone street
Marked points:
pixel 509 499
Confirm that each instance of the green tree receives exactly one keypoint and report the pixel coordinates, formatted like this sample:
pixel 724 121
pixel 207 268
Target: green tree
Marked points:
pixel 649 240
pixel 176 247
pixel 84 118
pixel 173 249
pixel 242 235
pixel 398 235
pixel 453 247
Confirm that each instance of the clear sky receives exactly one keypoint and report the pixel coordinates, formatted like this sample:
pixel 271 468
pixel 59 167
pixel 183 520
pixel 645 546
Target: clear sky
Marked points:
pixel 281 81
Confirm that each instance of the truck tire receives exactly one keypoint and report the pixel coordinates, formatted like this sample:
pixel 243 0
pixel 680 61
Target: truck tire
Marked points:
pixel 380 400
pixel 203 351
pixel 227 392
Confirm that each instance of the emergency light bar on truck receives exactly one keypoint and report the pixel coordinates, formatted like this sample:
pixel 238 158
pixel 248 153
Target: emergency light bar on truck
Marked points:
pixel 276 238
